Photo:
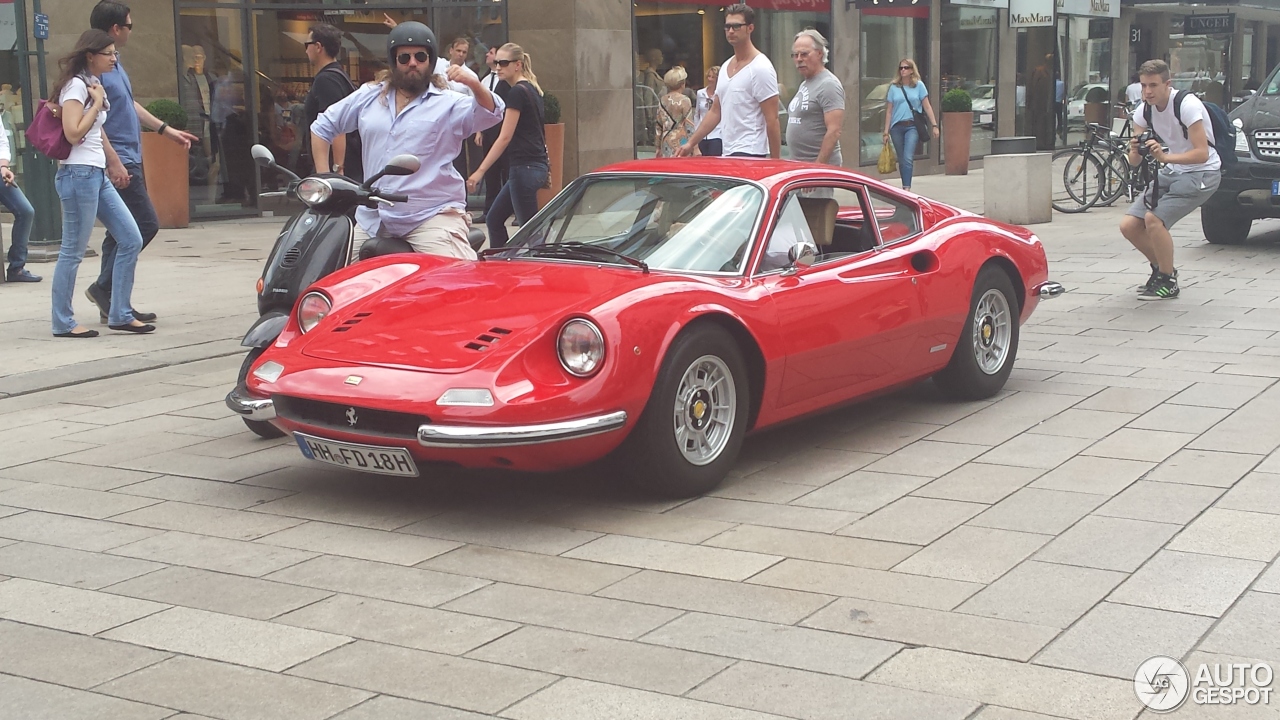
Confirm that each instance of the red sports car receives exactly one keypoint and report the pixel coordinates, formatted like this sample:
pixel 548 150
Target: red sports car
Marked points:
pixel 660 310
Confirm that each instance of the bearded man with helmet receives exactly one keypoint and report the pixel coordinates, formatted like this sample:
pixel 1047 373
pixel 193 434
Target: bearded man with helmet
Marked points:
pixel 413 111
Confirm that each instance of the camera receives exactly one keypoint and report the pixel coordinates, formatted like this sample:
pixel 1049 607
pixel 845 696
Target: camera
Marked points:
pixel 1146 136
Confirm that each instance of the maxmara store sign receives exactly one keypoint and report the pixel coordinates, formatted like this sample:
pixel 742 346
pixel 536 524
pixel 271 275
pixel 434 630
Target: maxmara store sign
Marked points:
pixel 1032 13
pixel 1090 8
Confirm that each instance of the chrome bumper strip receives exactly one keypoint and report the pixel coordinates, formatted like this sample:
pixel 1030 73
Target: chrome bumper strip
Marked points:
pixel 455 436
pixel 1049 289
pixel 251 408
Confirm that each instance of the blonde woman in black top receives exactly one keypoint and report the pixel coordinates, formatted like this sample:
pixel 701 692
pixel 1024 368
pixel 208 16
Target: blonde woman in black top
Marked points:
pixel 524 143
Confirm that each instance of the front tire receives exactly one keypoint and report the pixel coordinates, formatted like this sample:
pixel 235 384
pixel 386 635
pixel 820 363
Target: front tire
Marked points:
pixel 988 344
pixel 1223 228
pixel 262 429
pixel 691 430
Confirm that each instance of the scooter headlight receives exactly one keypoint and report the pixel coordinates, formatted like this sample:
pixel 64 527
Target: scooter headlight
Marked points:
pixel 314 191
pixel 581 347
pixel 312 309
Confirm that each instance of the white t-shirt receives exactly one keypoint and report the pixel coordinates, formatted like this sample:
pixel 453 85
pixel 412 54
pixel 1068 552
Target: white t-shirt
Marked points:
pixel 1133 93
pixel 89 150
pixel 704 104
pixel 741 120
pixel 1167 127
pixel 442 69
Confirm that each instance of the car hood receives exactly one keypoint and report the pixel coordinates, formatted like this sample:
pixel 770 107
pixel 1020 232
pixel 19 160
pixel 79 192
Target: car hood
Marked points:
pixel 1261 112
pixel 450 319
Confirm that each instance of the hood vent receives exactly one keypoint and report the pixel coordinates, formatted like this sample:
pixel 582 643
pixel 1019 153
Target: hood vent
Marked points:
pixel 291 257
pixel 486 339
pixel 355 320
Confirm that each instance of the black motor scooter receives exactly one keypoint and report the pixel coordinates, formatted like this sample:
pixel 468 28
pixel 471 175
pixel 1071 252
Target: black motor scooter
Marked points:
pixel 312 244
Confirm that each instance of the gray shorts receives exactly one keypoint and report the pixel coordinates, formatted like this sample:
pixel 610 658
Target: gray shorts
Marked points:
pixel 1180 193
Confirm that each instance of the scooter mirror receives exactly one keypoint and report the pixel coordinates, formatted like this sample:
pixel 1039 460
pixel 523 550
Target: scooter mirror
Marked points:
pixel 263 156
pixel 402 165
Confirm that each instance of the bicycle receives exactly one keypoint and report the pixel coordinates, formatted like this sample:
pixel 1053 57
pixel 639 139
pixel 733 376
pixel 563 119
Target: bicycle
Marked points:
pixel 1097 171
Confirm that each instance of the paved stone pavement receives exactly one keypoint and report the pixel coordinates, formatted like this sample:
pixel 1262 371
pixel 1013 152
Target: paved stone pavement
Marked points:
pixel 902 558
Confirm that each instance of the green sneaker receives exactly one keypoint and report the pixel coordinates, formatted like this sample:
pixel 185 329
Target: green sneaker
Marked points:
pixel 1165 287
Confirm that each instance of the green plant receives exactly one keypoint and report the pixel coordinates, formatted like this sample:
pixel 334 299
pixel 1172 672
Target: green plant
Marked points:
pixel 957 100
pixel 551 109
pixel 170 112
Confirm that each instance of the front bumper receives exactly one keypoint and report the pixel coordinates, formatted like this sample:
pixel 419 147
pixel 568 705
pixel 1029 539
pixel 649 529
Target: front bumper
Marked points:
pixel 1048 290
pixel 251 408
pixel 462 436
pixel 1246 189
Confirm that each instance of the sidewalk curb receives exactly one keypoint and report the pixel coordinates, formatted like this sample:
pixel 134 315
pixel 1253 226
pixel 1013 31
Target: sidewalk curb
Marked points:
pixel 79 373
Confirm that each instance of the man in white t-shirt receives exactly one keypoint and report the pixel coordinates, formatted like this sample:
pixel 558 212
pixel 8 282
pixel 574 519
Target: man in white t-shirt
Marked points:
pixel 1189 176
pixel 746 103
pixel 1133 93
pixel 456 55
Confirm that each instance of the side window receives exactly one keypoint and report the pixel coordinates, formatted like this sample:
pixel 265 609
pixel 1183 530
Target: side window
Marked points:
pixel 897 219
pixel 792 228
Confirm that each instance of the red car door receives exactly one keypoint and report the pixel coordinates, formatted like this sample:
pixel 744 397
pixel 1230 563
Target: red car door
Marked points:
pixel 845 320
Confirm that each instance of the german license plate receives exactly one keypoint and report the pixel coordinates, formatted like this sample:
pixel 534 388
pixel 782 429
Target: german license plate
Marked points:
pixel 365 458
pixel 1275 188
pixel 984 118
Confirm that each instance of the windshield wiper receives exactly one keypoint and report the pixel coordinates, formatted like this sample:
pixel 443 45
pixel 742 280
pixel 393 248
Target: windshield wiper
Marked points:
pixel 571 248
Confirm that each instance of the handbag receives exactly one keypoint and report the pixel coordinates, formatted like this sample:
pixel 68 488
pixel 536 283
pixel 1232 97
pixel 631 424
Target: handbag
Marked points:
pixel 888 161
pixel 923 126
pixel 45 132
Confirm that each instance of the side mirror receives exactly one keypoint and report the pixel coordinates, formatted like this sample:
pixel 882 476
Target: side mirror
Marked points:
pixel 802 255
pixel 263 156
pixel 402 165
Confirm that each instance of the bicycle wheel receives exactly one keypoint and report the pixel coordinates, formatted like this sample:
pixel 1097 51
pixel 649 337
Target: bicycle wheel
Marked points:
pixel 1115 182
pixel 1082 176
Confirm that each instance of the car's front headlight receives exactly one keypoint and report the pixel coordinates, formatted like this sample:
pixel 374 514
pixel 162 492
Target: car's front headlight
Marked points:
pixel 1242 143
pixel 312 309
pixel 581 347
pixel 314 191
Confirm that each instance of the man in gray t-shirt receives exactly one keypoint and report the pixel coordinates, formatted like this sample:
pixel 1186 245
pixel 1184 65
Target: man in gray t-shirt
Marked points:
pixel 816 113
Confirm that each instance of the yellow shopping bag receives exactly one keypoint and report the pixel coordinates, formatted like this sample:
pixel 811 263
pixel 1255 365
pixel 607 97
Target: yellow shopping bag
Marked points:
pixel 888 161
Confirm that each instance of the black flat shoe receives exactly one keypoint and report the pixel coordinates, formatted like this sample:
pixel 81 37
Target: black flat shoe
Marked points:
pixel 143 317
pixel 133 328
pixel 85 334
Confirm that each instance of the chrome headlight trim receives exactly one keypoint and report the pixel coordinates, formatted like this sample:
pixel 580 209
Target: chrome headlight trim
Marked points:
pixel 306 324
pixel 584 362
pixel 314 191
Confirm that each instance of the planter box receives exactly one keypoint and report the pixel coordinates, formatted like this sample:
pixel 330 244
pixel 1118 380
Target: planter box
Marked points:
pixel 555 154
pixel 164 167
pixel 1096 113
pixel 957 132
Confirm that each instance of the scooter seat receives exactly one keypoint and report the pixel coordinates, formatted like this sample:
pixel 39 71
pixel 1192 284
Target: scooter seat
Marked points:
pixel 378 246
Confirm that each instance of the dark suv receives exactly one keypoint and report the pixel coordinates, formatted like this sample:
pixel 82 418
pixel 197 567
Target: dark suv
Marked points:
pixel 1250 189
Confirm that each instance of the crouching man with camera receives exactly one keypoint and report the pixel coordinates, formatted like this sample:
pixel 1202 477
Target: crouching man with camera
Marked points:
pixel 1181 139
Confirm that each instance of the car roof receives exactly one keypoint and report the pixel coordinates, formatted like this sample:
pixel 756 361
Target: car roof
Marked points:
pixel 767 172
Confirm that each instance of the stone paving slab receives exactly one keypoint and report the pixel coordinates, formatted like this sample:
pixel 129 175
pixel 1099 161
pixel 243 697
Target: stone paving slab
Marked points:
pixel 901 558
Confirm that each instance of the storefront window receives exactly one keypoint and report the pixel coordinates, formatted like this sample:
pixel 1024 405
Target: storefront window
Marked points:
pixel 1198 63
pixel 969 52
pixel 211 87
pixel 675 32
pixel 888 35
pixel 1086 65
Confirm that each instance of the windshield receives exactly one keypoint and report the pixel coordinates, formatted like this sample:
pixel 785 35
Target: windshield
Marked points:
pixel 668 222
pixel 983 92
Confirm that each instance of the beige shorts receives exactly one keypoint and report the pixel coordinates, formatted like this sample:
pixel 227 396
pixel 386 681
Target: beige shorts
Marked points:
pixel 445 234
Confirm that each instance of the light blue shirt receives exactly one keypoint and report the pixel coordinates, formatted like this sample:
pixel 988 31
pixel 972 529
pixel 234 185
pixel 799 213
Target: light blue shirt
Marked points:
pixel 432 126
pixel 902 108
pixel 122 126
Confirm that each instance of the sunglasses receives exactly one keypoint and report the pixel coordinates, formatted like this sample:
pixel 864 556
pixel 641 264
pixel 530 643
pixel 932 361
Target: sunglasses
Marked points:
pixel 421 56
pixel 503 63
pixel 127 26
pixel 904 67
pixel 309 43
pixel 734 26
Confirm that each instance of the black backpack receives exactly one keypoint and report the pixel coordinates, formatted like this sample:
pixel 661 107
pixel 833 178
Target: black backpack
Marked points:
pixel 1224 133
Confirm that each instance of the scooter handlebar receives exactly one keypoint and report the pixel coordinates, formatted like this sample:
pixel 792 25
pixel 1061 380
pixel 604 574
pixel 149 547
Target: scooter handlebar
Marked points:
pixel 393 197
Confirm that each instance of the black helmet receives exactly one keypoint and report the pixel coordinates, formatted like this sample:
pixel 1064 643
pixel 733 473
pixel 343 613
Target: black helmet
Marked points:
pixel 412 34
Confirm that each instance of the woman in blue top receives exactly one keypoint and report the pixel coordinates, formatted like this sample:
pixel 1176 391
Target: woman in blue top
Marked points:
pixel 906 93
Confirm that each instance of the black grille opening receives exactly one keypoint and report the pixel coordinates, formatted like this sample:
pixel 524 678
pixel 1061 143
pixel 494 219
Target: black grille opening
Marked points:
pixel 476 346
pixel 349 418
pixel 291 257
pixel 499 331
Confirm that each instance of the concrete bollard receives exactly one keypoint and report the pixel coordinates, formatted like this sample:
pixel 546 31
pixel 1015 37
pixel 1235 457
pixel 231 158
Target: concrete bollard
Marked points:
pixel 1017 189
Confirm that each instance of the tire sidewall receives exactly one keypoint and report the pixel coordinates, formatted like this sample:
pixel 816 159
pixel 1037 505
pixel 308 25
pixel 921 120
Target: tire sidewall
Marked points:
pixel 655 461
pixel 962 378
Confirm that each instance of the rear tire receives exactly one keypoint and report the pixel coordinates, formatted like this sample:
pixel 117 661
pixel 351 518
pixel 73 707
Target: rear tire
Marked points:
pixel 261 428
pixel 1223 228
pixel 1079 178
pixel 691 431
pixel 988 344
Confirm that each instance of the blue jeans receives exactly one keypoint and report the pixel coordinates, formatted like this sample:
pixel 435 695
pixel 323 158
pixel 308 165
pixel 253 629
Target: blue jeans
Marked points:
pixel 86 193
pixel 23 215
pixel 136 199
pixel 518 196
pixel 905 138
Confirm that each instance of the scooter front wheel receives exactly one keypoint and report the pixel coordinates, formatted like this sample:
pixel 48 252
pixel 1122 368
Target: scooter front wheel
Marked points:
pixel 259 427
